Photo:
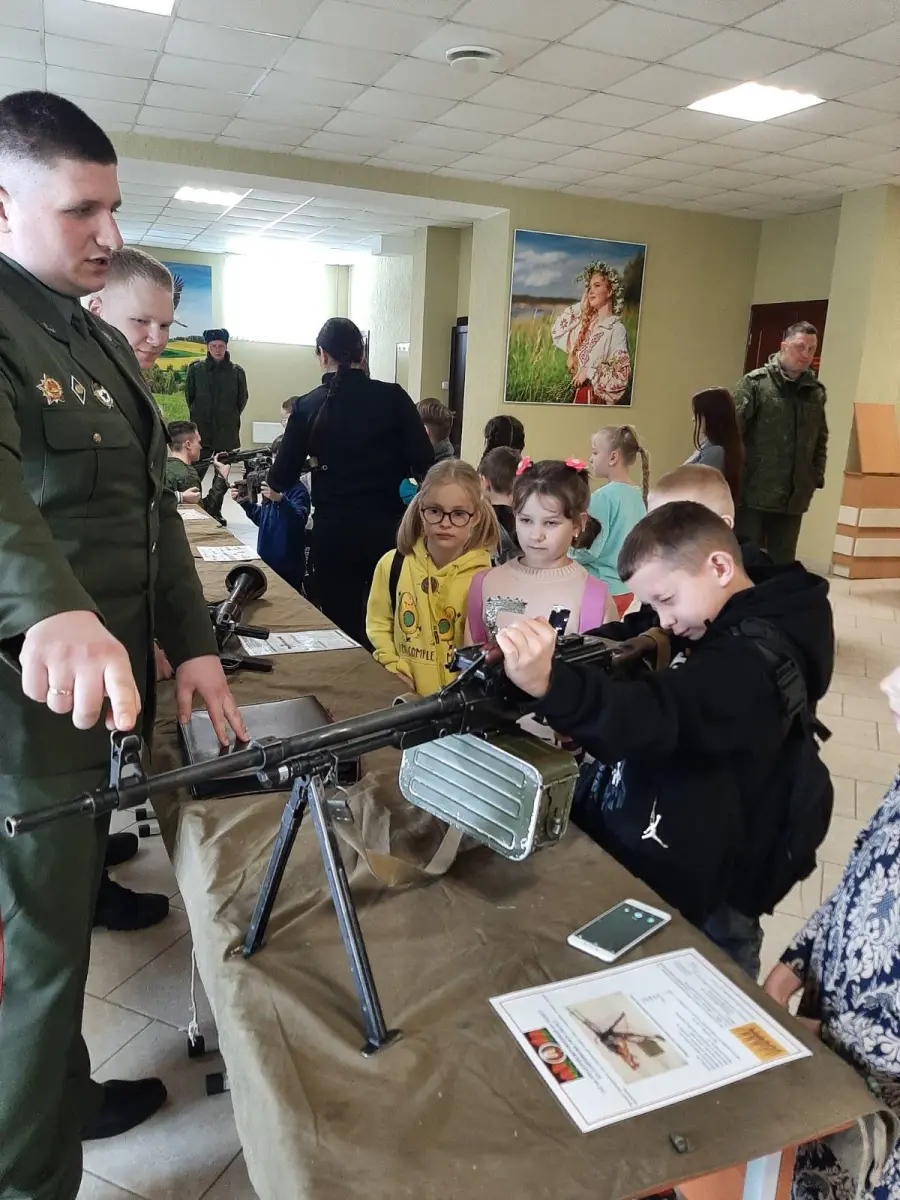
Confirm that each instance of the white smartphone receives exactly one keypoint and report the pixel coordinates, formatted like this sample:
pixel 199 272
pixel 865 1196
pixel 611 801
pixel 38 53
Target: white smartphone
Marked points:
pixel 619 930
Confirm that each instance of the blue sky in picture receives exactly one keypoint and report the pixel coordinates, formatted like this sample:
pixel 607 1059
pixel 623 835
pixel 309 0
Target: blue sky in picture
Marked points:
pixel 546 264
pixel 195 307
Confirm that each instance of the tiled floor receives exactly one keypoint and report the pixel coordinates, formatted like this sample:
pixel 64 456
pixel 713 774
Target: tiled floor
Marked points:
pixel 139 983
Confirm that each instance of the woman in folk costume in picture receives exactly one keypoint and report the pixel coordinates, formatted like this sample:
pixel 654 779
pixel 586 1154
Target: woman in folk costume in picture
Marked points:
pixel 594 338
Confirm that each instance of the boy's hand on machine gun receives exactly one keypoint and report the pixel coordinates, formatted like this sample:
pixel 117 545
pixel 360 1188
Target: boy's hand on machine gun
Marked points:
pixel 223 469
pixel 204 675
pixel 268 494
pixel 191 496
pixel 528 647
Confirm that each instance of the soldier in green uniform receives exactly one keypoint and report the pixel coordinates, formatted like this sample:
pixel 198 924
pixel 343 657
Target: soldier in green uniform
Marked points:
pixel 216 394
pixel 182 476
pixel 781 412
pixel 93 558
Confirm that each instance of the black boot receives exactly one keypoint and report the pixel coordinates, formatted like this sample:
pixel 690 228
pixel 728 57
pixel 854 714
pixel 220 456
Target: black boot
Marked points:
pixel 120 848
pixel 121 909
pixel 126 1103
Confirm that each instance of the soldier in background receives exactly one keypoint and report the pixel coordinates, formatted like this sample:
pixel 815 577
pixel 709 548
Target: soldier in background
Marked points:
pixel 93 559
pixel 216 394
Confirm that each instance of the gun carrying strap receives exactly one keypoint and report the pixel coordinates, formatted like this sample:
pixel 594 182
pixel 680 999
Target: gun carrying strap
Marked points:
pixel 394 578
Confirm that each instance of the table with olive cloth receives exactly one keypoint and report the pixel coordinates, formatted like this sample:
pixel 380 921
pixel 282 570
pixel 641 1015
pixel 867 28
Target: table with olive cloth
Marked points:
pixel 453 1111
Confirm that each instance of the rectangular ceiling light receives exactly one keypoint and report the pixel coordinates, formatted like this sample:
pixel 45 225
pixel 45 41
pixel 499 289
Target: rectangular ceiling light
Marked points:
pixel 204 196
pixel 756 102
pixel 162 8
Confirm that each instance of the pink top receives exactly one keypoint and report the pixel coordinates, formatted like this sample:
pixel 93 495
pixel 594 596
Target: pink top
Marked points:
pixel 503 594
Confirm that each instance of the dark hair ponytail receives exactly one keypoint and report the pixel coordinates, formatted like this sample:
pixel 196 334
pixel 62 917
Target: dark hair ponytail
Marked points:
pixel 504 430
pixel 341 340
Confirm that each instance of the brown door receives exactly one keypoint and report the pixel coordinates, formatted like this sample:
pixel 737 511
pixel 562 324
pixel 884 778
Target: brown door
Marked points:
pixel 769 321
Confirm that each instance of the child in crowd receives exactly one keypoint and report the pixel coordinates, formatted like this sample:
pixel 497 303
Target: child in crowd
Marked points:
pixel 504 431
pixel 616 507
pixel 282 519
pixel 846 961
pixel 417 606
pixel 550 500
pixel 685 792
pixel 438 421
pixel 497 471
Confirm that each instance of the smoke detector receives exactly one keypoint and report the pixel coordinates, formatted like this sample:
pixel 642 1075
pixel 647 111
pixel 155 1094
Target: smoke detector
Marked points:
pixel 472 59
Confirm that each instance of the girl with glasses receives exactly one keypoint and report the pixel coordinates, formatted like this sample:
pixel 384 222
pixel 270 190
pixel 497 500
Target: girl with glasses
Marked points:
pixel 417 606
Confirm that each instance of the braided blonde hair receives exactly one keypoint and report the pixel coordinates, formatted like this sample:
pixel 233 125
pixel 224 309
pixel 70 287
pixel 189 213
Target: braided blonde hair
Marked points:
pixel 624 439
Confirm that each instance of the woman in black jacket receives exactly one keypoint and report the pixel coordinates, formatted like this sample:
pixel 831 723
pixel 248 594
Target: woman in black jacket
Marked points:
pixel 362 438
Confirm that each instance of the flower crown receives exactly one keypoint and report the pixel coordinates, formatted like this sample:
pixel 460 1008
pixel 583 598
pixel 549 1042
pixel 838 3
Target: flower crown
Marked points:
pixel 613 278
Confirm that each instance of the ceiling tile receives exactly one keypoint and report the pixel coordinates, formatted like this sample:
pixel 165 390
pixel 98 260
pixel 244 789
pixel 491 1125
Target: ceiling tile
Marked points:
pixel 22 44
pixel 777 187
pixel 833 150
pixel 93 56
pixel 264 131
pixel 887 134
pixel 736 54
pixel 598 160
pixel 484 119
pixel 821 22
pixel 887 163
pixel 615 111
pixel 675 190
pixel 527 150
pixel 274 16
pixel 884 98
pixel 194 72
pixel 490 163
pixel 640 33
pixel 578 68
pixel 722 12
pixel 347 63
pixel 105 24
pixel 569 133
pixel 767 138
pixel 398 165
pixel 271 109
pixel 100 87
pixel 549 21
pixel 106 112
pixel 343 24
pixel 26 14
pixel 883 46
pixel 835 116
pixel 723 177
pixel 182 122
pixel 553 173
pixel 426 8
pixel 648 144
pixel 514 49
pixel 470 176
pixel 286 85
pixel 694 126
pixel 606 186
pixel 662 168
pixel 194 99
pixel 432 79
pixel 775 164
pixel 428 156
pixel 369 125
pixel 832 75
pixel 844 176
pixel 384 102
pixel 527 95
pixel 191 39
pixel 668 85
pixel 444 137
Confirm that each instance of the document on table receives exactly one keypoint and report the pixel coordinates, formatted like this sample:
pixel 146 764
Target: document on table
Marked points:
pixel 641 1036
pixel 227 553
pixel 193 514
pixel 298 643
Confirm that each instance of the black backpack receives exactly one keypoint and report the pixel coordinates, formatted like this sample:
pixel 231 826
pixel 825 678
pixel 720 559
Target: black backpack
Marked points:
pixel 794 814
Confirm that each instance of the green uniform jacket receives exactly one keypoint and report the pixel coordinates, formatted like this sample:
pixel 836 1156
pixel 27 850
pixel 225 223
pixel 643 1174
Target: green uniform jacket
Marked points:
pixel 216 395
pixel 785 436
pixel 85 522
pixel 181 477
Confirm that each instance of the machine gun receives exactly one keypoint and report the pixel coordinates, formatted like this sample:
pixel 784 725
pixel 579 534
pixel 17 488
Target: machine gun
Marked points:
pixel 245 584
pixel 256 471
pixel 481 701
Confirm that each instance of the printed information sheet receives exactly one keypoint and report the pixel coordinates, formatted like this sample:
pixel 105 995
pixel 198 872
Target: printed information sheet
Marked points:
pixel 298 643
pixel 193 514
pixel 633 1038
pixel 227 553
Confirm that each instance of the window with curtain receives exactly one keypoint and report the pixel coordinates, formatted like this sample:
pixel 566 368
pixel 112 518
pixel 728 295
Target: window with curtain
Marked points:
pixel 269 297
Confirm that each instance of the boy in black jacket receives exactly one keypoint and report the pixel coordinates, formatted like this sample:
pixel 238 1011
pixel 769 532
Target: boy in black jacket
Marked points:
pixel 689 800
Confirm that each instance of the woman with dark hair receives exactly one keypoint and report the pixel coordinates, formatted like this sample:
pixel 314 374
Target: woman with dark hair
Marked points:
pixel 504 431
pixel 717 436
pixel 361 438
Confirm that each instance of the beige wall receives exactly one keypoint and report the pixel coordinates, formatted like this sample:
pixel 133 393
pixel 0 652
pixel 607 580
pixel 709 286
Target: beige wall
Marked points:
pixel 435 290
pixel 380 290
pixel 465 271
pixel 698 285
pixel 796 257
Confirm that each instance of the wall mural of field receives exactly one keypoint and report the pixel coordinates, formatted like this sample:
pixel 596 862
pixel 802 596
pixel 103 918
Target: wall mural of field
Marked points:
pixel 193 314
pixel 574 316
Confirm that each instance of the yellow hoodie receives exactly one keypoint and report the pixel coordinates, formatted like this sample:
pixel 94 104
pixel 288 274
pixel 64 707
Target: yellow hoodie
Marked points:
pixel 429 623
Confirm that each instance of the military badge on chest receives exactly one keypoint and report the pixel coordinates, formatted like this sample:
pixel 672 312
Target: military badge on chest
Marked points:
pixel 101 394
pixel 51 390
pixel 79 391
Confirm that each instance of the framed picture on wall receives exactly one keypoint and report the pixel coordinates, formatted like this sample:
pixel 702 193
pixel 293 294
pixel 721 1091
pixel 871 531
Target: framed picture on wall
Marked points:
pixel 574 315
